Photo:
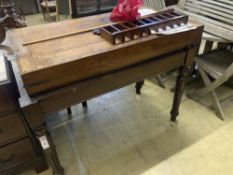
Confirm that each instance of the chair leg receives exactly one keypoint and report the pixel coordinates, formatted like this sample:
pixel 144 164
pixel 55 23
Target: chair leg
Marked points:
pixel 138 87
pixel 160 81
pixel 216 103
pixel 217 106
pixel 69 110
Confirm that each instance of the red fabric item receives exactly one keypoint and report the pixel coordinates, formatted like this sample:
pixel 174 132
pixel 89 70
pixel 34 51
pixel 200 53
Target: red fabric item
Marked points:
pixel 126 10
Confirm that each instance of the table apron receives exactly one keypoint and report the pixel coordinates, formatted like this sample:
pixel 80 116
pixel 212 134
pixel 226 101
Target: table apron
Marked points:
pixel 99 85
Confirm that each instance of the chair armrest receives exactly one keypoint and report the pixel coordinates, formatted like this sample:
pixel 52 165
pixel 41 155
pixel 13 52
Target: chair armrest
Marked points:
pixel 210 37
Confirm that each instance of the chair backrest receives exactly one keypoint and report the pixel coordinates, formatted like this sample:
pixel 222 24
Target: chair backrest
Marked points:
pixel 155 4
pixel 217 15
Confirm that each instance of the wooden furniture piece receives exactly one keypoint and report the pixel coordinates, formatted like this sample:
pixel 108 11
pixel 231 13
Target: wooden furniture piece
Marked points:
pixel 10 19
pixel 156 5
pixel 19 149
pixel 217 64
pixel 49 6
pixel 218 20
pixel 127 31
pixel 215 15
pixel 55 73
pixel 69 110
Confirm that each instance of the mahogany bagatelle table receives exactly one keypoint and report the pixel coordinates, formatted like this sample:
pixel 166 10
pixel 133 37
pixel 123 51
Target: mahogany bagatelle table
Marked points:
pixel 55 72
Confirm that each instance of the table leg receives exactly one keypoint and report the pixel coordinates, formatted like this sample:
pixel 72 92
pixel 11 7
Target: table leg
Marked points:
pixel 69 111
pixel 138 86
pixel 49 149
pixel 84 104
pixel 179 89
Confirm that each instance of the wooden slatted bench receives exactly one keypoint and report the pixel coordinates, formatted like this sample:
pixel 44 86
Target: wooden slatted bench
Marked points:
pixel 216 15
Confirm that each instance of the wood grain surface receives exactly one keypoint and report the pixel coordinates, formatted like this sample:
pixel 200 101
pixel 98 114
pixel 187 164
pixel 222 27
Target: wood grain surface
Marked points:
pixel 62 61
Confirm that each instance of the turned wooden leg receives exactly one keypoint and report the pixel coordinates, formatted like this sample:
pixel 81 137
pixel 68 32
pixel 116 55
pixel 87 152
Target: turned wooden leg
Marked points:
pixel 138 87
pixel 69 111
pixel 84 104
pixel 40 166
pixel 179 89
pixel 49 149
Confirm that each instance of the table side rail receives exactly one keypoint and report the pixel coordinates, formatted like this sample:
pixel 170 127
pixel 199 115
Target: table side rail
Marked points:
pixel 111 81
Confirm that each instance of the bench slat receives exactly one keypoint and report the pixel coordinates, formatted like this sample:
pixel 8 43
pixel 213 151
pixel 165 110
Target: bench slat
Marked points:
pixel 220 4
pixel 226 1
pixel 181 4
pixel 204 4
pixel 208 20
pixel 210 25
pixel 208 14
pixel 216 15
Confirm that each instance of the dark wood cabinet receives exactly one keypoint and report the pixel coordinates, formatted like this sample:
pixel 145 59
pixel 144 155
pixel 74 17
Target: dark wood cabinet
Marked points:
pixel 11 128
pixel 6 104
pixel 16 154
pixel 18 147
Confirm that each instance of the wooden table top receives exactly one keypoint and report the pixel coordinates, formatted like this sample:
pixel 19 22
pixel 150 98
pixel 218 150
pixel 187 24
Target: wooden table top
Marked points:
pixel 58 51
pixel 46 54
pixel 80 55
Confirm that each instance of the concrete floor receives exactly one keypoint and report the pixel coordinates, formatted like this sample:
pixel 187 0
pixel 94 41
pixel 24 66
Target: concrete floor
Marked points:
pixel 124 134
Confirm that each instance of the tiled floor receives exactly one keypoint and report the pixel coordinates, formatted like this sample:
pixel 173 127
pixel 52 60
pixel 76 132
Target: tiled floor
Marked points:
pixel 123 134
